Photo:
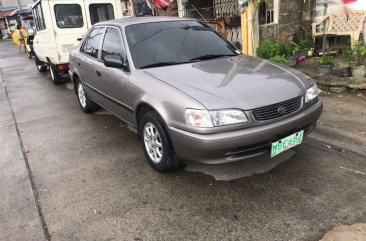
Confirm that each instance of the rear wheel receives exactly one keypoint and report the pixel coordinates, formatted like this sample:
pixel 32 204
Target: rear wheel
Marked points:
pixel 158 149
pixel 41 66
pixel 56 79
pixel 86 104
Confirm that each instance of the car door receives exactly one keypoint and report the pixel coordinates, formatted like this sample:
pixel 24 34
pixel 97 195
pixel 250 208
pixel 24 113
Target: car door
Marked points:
pixel 88 60
pixel 113 83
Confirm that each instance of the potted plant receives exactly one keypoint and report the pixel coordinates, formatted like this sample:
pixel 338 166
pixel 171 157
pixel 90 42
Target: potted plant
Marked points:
pixel 325 64
pixel 359 53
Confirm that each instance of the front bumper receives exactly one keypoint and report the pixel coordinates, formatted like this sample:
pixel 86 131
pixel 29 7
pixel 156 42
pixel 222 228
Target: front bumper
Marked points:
pixel 240 144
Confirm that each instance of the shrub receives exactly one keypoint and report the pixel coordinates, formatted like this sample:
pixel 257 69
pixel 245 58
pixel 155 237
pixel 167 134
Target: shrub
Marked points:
pixel 359 53
pixel 347 56
pixel 326 60
pixel 279 59
pixel 268 49
pixel 272 48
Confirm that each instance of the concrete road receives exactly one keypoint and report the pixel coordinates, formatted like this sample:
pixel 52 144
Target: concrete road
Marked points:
pixel 66 175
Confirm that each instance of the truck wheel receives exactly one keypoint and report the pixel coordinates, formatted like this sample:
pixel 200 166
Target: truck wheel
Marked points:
pixel 158 149
pixel 41 66
pixel 56 79
pixel 86 104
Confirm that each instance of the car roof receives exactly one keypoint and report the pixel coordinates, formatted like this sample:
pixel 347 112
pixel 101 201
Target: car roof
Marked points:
pixel 137 20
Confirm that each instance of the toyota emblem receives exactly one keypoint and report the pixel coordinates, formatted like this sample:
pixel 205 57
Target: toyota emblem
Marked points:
pixel 282 110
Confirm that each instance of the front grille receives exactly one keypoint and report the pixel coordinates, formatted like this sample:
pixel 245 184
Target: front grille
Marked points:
pixel 273 111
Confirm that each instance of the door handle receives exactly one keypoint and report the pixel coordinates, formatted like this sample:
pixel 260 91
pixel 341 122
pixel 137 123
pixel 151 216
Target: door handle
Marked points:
pixel 98 73
pixel 79 39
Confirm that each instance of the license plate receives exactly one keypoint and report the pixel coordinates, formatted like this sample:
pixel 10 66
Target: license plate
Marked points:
pixel 287 143
pixel 67 47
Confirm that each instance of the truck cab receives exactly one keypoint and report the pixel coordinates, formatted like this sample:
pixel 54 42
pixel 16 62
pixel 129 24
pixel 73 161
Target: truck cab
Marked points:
pixel 61 25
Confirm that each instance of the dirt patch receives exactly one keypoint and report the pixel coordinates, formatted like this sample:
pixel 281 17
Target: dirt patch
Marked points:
pixel 345 112
pixel 355 232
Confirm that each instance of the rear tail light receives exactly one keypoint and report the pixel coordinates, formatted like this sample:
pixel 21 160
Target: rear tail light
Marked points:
pixel 63 67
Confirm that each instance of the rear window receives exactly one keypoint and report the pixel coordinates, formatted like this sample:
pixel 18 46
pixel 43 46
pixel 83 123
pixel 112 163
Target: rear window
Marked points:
pixel 69 16
pixel 101 12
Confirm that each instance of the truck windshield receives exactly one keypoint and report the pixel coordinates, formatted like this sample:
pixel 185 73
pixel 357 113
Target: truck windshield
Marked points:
pixel 175 42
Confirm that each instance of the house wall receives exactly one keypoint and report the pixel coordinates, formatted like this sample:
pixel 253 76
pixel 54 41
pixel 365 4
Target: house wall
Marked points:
pixel 294 16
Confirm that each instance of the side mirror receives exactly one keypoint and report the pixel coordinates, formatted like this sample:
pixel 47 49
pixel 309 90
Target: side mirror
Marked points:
pixel 237 45
pixel 115 61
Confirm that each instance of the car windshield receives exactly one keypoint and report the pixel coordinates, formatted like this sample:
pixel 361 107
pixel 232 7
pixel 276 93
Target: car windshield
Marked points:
pixel 175 42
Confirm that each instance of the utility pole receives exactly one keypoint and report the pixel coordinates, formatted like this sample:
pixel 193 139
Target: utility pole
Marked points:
pixel 19 5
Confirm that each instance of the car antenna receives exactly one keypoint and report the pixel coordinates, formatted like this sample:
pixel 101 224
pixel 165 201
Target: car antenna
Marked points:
pixel 199 13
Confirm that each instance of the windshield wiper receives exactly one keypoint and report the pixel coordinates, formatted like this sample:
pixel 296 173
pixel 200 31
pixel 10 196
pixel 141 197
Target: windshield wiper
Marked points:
pixel 212 56
pixel 160 64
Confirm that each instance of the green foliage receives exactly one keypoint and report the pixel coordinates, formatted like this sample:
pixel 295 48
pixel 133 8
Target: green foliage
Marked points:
pixel 359 53
pixel 268 49
pixel 326 60
pixel 271 48
pixel 347 56
pixel 304 41
pixel 279 59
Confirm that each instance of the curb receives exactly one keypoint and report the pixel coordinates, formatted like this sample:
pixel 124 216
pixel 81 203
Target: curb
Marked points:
pixel 339 139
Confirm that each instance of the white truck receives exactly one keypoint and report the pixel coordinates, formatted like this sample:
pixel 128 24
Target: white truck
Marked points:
pixel 61 25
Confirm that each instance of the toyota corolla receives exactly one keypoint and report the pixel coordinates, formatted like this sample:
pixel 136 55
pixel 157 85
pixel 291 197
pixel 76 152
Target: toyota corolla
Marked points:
pixel 190 94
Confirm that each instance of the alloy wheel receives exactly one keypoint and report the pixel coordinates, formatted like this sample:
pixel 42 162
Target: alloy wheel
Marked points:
pixel 81 95
pixel 153 143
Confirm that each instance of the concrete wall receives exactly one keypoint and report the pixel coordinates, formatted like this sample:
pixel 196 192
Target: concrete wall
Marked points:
pixel 268 31
pixel 294 16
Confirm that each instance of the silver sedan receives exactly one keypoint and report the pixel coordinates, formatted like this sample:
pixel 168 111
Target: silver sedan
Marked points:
pixel 189 93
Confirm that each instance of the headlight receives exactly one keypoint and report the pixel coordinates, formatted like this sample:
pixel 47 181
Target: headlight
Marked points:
pixel 311 93
pixel 228 117
pixel 198 118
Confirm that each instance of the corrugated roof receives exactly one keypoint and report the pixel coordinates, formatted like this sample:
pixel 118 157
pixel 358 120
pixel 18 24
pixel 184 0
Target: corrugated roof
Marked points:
pixel 7 13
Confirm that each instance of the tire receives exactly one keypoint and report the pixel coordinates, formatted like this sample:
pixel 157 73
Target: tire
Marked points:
pixel 158 150
pixel 86 104
pixel 56 79
pixel 41 66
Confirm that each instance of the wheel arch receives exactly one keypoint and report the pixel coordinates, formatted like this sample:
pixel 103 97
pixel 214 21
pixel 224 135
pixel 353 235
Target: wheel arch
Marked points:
pixel 74 78
pixel 144 107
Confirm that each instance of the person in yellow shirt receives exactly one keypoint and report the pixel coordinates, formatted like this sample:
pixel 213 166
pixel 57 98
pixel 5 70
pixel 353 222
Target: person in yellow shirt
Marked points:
pixel 21 37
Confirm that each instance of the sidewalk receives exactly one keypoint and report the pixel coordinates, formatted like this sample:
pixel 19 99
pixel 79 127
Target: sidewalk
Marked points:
pixel 343 123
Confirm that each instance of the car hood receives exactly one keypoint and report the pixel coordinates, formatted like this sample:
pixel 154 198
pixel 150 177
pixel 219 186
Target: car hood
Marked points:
pixel 242 82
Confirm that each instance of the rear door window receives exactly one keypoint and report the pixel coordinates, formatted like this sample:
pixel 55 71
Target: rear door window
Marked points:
pixel 69 16
pixel 101 12
pixel 92 43
pixel 112 44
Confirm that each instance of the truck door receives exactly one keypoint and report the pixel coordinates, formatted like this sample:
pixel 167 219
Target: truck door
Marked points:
pixel 70 25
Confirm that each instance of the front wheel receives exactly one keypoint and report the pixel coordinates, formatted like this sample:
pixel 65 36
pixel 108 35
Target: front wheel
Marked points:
pixel 158 149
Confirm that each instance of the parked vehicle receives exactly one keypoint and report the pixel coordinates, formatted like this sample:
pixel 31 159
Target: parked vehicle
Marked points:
pixel 61 24
pixel 190 94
